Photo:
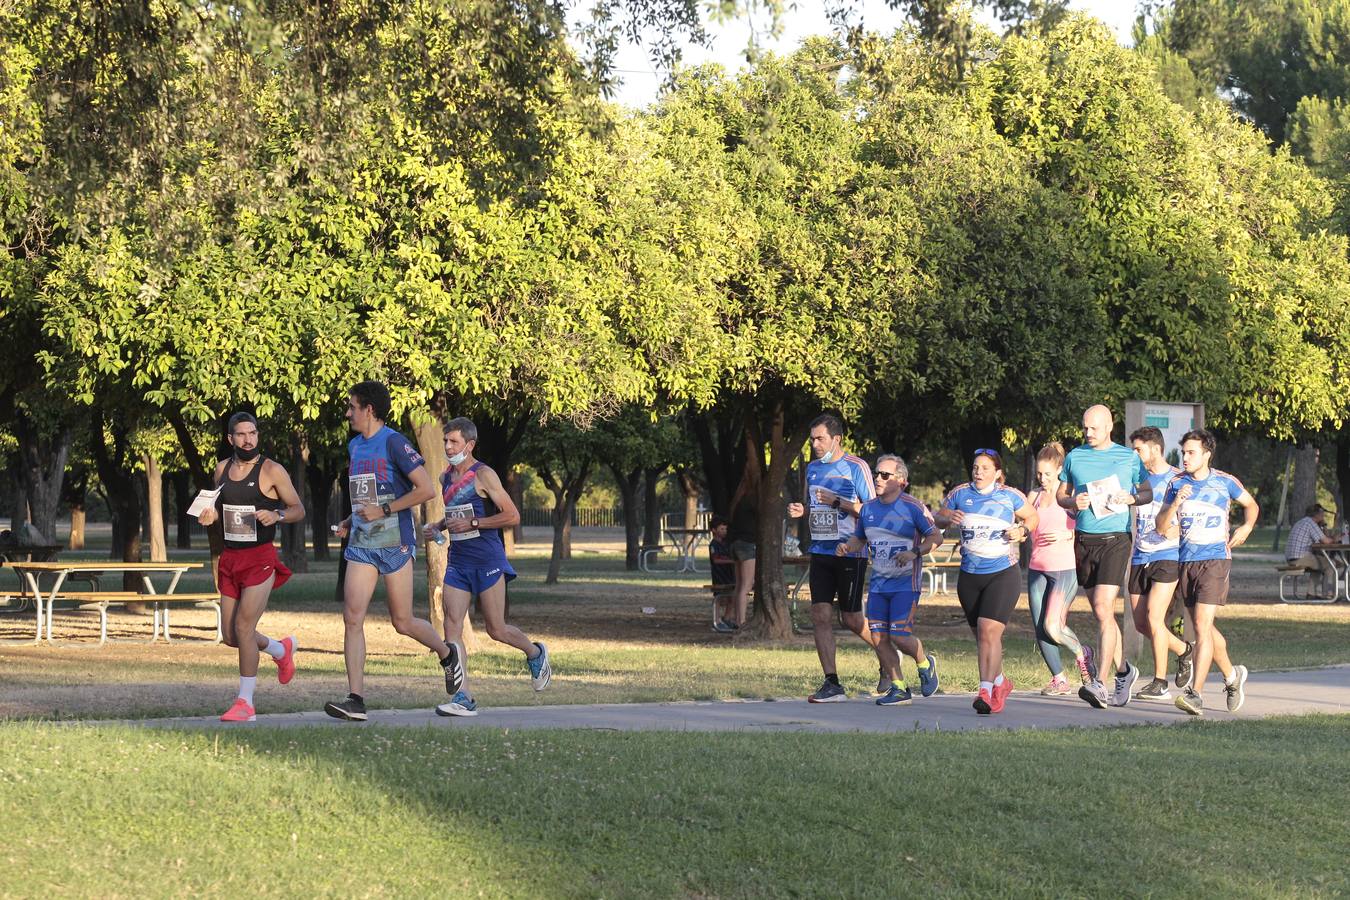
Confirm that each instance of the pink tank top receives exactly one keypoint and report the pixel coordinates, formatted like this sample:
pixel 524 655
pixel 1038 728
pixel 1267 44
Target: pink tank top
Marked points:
pixel 1056 557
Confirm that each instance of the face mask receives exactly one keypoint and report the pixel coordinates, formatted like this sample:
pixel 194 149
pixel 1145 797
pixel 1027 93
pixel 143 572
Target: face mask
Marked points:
pixel 828 457
pixel 245 455
pixel 459 457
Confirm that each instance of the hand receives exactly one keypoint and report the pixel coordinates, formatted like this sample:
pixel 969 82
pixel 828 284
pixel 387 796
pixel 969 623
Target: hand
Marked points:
pixel 1183 493
pixel 826 496
pixel 1053 537
pixel 955 517
pixel 905 558
pixel 457 525
pixel 1239 537
pixel 1121 497
pixel 1018 533
pixel 208 516
pixel 841 549
pixel 1082 501
pixel 342 529
pixel 430 530
pixel 796 510
pixel 267 517
pixel 369 512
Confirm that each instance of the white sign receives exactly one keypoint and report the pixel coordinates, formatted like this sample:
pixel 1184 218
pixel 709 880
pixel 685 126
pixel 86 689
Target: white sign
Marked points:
pixel 202 501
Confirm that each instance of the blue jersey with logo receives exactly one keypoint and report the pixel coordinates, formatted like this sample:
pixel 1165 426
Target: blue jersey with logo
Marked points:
pixel 1149 545
pixel 986 518
pixel 378 473
pixel 1085 465
pixel 851 479
pixel 1204 514
pixel 470 549
pixel 891 529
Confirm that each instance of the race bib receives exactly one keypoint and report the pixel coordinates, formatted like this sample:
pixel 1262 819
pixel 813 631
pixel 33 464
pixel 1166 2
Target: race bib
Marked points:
pixel 985 536
pixel 824 524
pixel 461 511
pixel 241 523
pixel 382 532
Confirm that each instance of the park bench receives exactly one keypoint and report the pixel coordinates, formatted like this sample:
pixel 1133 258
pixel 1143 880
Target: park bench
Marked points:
pixel 935 567
pixel 1289 585
pixel 159 603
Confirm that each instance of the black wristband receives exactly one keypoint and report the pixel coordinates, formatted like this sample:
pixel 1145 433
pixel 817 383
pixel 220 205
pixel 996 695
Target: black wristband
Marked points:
pixel 836 504
pixel 386 509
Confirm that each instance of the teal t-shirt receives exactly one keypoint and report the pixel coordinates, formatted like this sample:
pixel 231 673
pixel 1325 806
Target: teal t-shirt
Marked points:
pixel 1084 465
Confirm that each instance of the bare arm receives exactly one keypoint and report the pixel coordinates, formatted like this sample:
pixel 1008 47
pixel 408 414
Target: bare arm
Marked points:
pixel 209 515
pixel 281 480
pixel 1250 512
pixel 490 486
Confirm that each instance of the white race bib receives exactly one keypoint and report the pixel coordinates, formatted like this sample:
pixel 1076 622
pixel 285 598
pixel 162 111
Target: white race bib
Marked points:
pixel 985 536
pixel 382 532
pixel 824 524
pixel 241 523
pixel 461 511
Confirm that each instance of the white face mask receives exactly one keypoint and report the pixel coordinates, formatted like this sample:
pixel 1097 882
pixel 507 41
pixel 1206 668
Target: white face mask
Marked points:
pixel 828 457
pixel 459 457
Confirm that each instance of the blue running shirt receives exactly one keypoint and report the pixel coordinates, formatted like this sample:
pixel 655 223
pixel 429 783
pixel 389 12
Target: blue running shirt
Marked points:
pixel 1204 515
pixel 378 473
pixel 1084 465
pixel 850 478
pixel 891 529
pixel 1149 545
pixel 985 548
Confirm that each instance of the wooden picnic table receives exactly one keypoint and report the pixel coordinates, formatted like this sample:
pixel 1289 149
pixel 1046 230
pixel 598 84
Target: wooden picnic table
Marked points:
pixel 60 571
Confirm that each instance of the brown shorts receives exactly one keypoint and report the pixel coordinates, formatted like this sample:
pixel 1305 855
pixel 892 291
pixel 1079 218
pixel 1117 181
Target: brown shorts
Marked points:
pixel 248 566
pixel 1205 581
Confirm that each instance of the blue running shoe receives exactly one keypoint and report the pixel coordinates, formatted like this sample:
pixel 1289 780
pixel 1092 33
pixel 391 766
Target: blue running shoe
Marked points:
pixel 460 705
pixel 541 673
pixel 896 696
pixel 928 679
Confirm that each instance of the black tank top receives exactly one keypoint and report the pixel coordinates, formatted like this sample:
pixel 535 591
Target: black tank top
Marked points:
pixel 239 502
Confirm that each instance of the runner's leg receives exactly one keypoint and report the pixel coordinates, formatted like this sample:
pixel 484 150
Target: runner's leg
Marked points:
pixel 745 580
pixel 1203 616
pixel 1037 584
pixel 1164 641
pixel 398 587
pixel 358 588
pixel 457 604
pixel 492 603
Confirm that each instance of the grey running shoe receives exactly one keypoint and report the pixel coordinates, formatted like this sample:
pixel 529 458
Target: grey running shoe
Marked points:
pixel 1191 702
pixel 1186 667
pixel 1236 695
pixel 1094 692
pixel 1155 690
pixel 1124 686
pixel 829 693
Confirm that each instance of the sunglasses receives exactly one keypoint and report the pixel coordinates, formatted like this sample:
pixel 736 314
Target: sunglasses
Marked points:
pixel 887 476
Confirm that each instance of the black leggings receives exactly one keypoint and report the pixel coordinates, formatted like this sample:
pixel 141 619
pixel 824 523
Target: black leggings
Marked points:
pixel 990 596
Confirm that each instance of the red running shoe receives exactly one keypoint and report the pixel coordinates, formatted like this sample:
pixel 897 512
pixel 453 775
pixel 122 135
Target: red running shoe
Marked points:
pixel 984 703
pixel 1000 696
pixel 286 665
pixel 239 712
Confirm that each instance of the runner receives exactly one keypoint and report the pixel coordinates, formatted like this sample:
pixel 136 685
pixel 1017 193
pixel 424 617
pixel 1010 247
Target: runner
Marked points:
pixel 899 530
pixel 255 494
pixel 1052 581
pixel 388 478
pixel 1101 479
pixel 477 506
pixel 1154 569
pixel 837 485
pixel 993 518
pixel 1204 496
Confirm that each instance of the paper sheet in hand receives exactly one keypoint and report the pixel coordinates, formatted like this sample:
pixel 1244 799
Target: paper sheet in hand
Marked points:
pixel 1099 491
pixel 203 500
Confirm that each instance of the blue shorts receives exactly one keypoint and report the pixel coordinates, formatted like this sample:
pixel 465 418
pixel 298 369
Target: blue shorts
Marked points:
pixel 477 580
pixel 892 612
pixel 386 560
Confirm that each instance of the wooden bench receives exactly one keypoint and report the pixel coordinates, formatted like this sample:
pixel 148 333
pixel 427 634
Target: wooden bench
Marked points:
pixel 101 600
pixel 1292 573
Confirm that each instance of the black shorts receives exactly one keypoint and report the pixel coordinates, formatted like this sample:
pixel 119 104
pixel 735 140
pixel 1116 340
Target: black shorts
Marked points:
pixel 1102 558
pixel 1205 581
pixel 838 576
pixel 990 596
pixel 1144 577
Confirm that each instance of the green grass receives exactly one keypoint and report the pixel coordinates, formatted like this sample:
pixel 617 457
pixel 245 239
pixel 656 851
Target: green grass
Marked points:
pixel 1204 809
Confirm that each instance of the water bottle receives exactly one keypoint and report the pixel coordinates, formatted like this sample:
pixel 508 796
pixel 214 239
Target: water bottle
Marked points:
pixel 1345 532
pixel 441 538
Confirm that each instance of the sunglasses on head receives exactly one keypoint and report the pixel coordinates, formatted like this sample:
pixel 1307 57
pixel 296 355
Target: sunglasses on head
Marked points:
pixel 985 451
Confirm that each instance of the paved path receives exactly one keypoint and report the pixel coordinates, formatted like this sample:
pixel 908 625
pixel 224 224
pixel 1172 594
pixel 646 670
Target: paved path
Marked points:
pixel 1270 693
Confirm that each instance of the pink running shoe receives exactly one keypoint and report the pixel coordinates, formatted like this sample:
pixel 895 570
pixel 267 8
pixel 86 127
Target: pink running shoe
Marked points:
pixel 286 665
pixel 984 703
pixel 1059 685
pixel 1000 695
pixel 239 712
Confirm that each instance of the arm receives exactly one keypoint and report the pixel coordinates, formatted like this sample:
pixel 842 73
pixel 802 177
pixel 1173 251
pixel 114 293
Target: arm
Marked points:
pixel 1027 518
pixel 852 545
pixel 422 491
pixel 1250 512
pixel 946 517
pixel 294 510
pixel 209 515
pixel 1165 523
pixel 489 486
pixel 1069 500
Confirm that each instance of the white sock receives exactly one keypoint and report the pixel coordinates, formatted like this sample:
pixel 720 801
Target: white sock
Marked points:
pixel 246 686
pixel 998 680
pixel 274 648
pixel 987 686
pixel 1231 676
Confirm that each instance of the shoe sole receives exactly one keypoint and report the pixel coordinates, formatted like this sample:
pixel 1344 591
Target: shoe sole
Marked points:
pixel 1241 692
pixel 454 673
pixel 1068 691
pixel 545 674
pixel 1160 698
pixel 1185 707
pixel 895 702
pixel 982 708
pixel 451 713
pixel 295 648
pixel 1092 699
pixel 343 714
pixel 834 698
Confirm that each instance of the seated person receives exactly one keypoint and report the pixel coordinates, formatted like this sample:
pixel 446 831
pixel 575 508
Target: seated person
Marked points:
pixel 723 575
pixel 1304 538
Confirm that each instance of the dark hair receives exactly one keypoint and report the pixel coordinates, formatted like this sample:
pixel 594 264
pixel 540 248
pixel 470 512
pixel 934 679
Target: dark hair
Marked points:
pixel 1203 436
pixel 994 457
pixel 240 417
pixel 833 426
pixel 465 427
pixel 1315 509
pixel 375 395
pixel 715 521
pixel 1149 435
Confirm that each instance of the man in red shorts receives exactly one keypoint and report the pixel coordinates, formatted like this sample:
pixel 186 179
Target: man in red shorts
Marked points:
pixel 255 494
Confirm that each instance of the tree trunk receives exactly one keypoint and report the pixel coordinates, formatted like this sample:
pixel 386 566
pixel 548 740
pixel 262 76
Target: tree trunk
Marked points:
pixel 76 490
pixel 1342 479
pixel 1303 490
pixel 690 488
pixel 154 503
pixel 515 486
pixel 431 444
pixel 630 484
pixel 18 510
pixel 566 493
pixel 651 507
pixel 42 467
pixel 203 477
pixel 293 533
pixel 320 483
pixel 119 481
pixel 344 488
pixel 182 495
pixel 772 616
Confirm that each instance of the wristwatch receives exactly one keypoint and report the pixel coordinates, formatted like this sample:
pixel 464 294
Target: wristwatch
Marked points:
pixel 387 510
pixel 836 504
pixel 281 515
pixel 473 523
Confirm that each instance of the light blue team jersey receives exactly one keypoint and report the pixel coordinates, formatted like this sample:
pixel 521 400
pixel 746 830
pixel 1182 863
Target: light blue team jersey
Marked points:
pixel 1085 465
pixel 987 516
pixel 1204 515
pixel 850 478
pixel 1149 545
pixel 378 473
pixel 891 529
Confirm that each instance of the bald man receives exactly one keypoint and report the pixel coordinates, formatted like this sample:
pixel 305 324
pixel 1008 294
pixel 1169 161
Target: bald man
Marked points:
pixel 1099 482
